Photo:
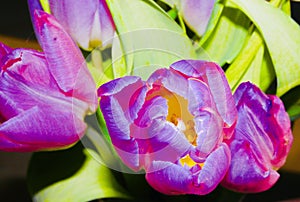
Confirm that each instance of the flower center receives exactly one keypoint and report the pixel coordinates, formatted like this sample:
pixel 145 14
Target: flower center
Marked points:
pixel 187 160
pixel 183 119
pixel 178 113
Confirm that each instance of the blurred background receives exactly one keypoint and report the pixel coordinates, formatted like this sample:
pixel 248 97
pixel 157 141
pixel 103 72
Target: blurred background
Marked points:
pixel 16 31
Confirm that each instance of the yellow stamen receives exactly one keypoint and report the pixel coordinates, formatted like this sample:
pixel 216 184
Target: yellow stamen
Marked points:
pixel 178 112
pixel 187 160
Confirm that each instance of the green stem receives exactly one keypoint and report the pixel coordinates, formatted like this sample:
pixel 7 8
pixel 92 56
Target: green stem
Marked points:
pixel 182 24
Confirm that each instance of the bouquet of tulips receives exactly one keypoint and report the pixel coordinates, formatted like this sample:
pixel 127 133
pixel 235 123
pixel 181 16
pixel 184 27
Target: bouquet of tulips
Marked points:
pixel 149 100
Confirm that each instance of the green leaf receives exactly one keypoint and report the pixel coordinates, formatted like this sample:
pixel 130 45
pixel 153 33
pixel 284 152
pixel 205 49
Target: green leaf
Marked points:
pixel 149 37
pixel 172 3
pixel 98 138
pixel 291 102
pixel 173 13
pixel 281 35
pixel 227 37
pixel 294 111
pixel 75 174
pixel 252 64
pixel 267 72
pixel 286 7
pixel 253 72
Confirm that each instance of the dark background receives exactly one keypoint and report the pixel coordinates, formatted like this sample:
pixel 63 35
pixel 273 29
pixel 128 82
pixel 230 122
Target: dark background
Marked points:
pixel 15 22
pixel 15 19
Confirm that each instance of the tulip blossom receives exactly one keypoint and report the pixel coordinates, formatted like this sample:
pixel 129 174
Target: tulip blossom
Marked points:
pixel 173 125
pixel 44 95
pixel 89 22
pixel 261 141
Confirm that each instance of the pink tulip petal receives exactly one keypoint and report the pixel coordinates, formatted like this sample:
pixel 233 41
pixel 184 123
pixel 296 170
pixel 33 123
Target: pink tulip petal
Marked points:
pixel 123 88
pixel 64 58
pixel 79 26
pixel 155 108
pixel 261 142
pixel 247 173
pixel 58 126
pixel 169 178
pixel 114 103
pixel 27 82
pixel 208 123
pixel 213 171
pixel 106 23
pixel 29 65
pixel 171 80
pixel 163 141
pixel 119 130
pixel 157 138
pixel 214 77
pixel 253 104
pixel 196 14
pixel 174 179
pixel 93 27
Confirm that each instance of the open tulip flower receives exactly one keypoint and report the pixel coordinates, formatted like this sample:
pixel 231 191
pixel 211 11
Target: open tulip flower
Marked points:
pixel 89 22
pixel 173 125
pixel 181 124
pixel 44 95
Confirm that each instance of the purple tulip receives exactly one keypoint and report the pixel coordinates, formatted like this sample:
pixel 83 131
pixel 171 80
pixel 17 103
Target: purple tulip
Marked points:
pixel 261 141
pixel 196 14
pixel 173 125
pixel 44 95
pixel 89 22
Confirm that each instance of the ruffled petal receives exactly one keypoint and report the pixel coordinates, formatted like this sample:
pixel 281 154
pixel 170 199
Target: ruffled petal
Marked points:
pixel 171 80
pixel 214 77
pixel 115 86
pixel 41 128
pixel 261 141
pixel 213 171
pixel 30 66
pixel 208 123
pixel 246 172
pixel 169 178
pixel 162 142
pixel 196 14
pixel 155 108
pixel 173 179
pixel 129 90
pixel 120 101
pixel 268 124
pixel 119 129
